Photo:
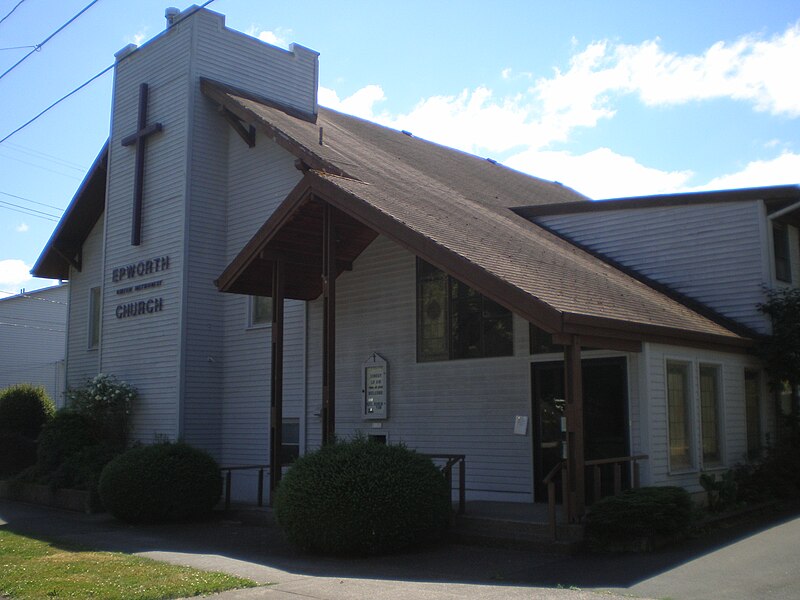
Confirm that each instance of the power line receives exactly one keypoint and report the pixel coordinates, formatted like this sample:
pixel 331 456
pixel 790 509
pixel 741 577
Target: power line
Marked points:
pixel 31 201
pixel 28 211
pixel 38 46
pixel 43 168
pixel 12 10
pixel 59 101
pixel 17 47
pixel 39 154
pixel 30 296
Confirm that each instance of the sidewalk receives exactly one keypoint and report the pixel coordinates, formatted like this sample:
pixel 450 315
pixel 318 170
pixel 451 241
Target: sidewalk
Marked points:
pixel 756 560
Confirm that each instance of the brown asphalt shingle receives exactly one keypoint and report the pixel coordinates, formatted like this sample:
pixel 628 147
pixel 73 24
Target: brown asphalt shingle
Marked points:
pixel 462 204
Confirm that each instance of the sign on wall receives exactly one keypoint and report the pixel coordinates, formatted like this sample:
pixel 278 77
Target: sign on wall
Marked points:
pixel 375 387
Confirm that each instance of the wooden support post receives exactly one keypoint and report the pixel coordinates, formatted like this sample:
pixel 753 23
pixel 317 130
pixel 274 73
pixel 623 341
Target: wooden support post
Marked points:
pixel 328 325
pixel 577 470
pixel 276 379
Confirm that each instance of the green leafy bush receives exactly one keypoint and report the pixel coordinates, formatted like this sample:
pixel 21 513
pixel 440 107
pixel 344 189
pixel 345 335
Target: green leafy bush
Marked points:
pixel 64 436
pixel 24 409
pixel 361 497
pixel 17 453
pixel 776 476
pixel 162 482
pixel 639 513
pixel 106 403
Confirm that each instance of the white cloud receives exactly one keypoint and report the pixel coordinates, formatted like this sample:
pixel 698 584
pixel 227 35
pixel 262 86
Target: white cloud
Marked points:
pixel 527 125
pixel 278 37
pixel 138 37
pixel 21 228
pixel 13 272
pixel 782 170
pixel 600 173
pixel 749 69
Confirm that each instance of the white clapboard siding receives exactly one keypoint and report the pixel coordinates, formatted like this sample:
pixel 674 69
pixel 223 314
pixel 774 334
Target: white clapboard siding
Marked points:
pixel 32 339
pixel 83 362
pixel 713 253
pixel 732 412
pixel 461 406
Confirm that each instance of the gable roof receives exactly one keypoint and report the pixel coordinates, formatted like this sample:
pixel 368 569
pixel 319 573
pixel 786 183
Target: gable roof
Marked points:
pixel 64 248
pixel 453 210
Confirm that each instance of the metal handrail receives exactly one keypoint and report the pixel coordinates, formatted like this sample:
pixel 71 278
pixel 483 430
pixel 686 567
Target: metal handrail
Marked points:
pixel 229 470
pixel 447 471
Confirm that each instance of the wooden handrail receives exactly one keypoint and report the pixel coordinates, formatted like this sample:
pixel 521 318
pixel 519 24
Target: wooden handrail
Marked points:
pixel 447 471
pixel 229 470
pixel 560 467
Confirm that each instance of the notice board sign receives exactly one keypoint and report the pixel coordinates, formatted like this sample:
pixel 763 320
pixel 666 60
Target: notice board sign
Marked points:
pixel 375 387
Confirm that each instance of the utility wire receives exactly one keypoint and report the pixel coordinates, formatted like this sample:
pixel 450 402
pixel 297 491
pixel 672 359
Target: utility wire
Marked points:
pixel 17 47
pixel 29 296
pixel 83 85
pixel 28 211
pixel 12 10
pixel 59 101
pixel 31 201
pixel 50 157
pixel 48 38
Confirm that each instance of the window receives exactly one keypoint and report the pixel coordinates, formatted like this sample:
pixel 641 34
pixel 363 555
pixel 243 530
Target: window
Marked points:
pixel 752 399
pixel 290 441
pixel 709 414
pixel 679 416
pixel 780 245
pixel 94 317
pixel 260 311
pixel 454 321
pixel 541 342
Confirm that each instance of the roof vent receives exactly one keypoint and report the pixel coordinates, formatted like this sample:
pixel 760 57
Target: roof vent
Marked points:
pixel 408 133
pixel 491 160
pixel 171 14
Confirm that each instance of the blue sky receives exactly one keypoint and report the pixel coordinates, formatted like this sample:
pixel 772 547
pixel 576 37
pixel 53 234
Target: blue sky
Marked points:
pixel 613 98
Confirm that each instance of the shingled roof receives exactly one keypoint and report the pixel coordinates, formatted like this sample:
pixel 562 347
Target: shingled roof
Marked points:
pixel 454 210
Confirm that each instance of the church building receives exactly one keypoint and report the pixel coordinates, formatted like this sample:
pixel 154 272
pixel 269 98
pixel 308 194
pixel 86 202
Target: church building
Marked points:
pixel 271 274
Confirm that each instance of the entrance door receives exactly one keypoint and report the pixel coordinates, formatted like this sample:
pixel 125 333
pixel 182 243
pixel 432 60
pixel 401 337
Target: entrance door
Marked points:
pixel 605 414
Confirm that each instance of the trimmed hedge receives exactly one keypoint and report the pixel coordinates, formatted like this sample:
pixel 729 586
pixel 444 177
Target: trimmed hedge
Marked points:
pixel 17 453
pixel 639 514
pixel 159 483
pixel 24 409
pixel 64 436
pixel 361 497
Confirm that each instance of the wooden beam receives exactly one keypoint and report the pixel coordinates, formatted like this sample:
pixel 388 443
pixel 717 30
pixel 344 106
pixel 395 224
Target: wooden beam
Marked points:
pixel 573 385
pixel 605 343
pixel 276 380
pixel 247 134
pixel 304 259
pixel 328 325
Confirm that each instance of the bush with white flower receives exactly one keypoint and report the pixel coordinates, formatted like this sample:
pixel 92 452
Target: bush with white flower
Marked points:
pixel 106 402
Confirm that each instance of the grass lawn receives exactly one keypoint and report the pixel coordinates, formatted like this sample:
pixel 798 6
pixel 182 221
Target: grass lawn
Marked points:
pixel 31 568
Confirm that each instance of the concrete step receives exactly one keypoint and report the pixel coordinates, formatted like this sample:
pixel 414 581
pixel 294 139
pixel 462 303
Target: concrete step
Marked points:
pixel 497 532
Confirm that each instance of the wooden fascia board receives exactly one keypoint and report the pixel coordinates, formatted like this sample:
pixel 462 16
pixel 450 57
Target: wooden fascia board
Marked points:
pixel 282 215
pixel 527 306
pixel 587 325
pixel 288 143
pixel 596 341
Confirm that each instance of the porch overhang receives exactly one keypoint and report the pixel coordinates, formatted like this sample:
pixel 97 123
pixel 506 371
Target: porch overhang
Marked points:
pixel 293 234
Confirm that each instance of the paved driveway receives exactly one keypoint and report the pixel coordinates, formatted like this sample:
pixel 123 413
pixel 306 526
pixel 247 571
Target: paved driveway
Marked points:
pixel 759 559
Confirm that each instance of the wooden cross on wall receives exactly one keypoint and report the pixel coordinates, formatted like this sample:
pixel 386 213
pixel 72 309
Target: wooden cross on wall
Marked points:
pixel 143 131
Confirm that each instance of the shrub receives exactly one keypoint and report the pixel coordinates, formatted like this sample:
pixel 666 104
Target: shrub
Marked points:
pixel 24 409
pixel 361 497
pixel 64 436
pixel 777 476
pixel 106 403
pixel 17 453
pixel 639 513
pixel 162 482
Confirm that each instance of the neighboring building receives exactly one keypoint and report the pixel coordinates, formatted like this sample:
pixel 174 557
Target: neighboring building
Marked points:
pixel 33 329
pixel 431 296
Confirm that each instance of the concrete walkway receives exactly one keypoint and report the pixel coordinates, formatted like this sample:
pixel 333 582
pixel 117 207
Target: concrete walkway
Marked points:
pixel 753 560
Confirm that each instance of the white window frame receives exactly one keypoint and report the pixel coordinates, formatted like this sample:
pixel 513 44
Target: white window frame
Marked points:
pixel 720 416
pixel 95 318
pixel 689 413
pixel 251 312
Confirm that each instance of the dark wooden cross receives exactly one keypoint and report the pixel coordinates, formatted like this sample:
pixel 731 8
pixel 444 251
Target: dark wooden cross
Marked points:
pixel 143 131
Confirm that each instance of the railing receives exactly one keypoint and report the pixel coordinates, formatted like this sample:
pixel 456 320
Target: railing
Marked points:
pixel 597 472
pixel 228 476
pixel 451 460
